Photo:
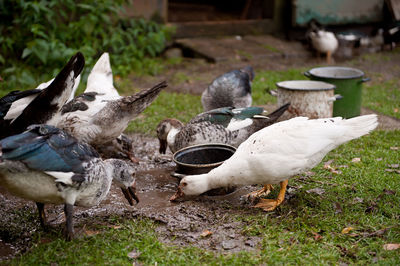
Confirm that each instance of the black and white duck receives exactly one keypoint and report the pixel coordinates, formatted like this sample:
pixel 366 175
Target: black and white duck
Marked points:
pixel 48 101
pixel 224 125
pixel 100 115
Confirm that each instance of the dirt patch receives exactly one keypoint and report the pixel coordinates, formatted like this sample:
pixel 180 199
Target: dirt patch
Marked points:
pixel 180 223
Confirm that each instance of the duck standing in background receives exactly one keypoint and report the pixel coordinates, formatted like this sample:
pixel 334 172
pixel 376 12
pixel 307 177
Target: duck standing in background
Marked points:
pixel 278 152
pixel 224 125
pixel 48 101
pixel 322 41
pixel 230 89
pixel 47 165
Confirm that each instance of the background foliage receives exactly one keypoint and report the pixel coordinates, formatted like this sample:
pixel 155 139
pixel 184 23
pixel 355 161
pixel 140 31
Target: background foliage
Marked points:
pixel 38 37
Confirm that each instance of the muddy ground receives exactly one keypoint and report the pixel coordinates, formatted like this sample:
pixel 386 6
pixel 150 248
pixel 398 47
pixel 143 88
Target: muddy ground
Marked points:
pixel 179 223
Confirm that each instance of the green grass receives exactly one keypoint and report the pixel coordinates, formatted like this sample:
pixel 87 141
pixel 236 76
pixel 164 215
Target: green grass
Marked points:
pixel 167 105
pixel 306 229
pixel 382 96
pixel 265 81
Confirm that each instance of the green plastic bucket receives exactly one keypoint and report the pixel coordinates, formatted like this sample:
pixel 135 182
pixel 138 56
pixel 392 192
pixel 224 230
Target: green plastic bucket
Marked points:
pixel 348 82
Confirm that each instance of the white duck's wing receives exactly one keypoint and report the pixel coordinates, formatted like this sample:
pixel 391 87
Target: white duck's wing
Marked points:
pixel 308 139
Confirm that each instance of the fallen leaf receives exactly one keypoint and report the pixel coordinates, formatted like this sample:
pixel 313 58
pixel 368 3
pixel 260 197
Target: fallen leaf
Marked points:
pixel 327 165
pixel 396 110
pixel 317 190
pixel 391 246
pixel 338 208
pixel 134 254
pixel 393 165
pixel 394 148
pixel 357 200
pixel 206 233
pixel 347 230
pixel 91 233
pixel 356 160
pixel 389 192
pixel 115 226
pixel 309 173
pixel 317 236
pixel 389 170
pixel 379 159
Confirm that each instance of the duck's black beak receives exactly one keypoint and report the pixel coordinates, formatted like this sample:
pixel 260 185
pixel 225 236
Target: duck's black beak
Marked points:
pixel 130 194
pixel 163 146
pixel 178 194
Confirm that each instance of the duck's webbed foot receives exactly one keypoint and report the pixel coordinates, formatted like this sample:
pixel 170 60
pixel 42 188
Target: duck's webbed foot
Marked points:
pixel 271 204
pixel 260 193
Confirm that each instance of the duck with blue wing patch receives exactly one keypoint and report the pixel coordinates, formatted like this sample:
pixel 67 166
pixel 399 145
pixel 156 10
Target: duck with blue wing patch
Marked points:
pixel 47 165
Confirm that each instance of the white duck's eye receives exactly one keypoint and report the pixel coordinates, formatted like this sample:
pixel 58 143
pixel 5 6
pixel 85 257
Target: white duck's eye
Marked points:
pixel 183 184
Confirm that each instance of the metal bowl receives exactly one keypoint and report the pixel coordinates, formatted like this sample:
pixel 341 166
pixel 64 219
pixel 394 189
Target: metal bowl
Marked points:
pixel 200 159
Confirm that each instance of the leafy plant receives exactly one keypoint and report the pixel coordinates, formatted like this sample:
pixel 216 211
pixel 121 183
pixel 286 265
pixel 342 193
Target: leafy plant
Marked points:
pixel 38 37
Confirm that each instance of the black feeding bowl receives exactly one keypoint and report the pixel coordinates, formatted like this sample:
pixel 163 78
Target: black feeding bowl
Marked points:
pixel 200 159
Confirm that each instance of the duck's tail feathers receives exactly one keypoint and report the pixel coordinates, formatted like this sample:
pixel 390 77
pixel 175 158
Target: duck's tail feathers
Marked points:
pixel 138 102
pixel 278 112
pixel 361 125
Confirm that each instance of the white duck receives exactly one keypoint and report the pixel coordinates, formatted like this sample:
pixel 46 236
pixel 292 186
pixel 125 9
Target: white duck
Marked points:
pixel 324 42
pixel 278 152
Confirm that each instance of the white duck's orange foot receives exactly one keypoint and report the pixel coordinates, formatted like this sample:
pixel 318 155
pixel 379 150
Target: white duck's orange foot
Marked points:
pixel 267 204
pixel 271 204
pixel 260 193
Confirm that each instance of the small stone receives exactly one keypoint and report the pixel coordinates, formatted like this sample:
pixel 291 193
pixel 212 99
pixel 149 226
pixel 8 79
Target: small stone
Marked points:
pixel 228 244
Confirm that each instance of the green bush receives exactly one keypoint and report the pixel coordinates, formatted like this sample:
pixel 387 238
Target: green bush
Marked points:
pixel 38 37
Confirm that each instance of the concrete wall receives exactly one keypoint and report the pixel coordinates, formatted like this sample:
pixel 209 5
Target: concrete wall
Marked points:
pixel 336 12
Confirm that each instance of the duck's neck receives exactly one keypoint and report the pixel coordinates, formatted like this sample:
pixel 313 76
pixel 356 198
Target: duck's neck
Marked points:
pixel 211 180
pixel 172 136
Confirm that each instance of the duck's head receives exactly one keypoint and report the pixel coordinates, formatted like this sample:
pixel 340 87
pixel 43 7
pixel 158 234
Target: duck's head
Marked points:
pixel 191 186
pixel 249 70
pixel 164 128
pixel 124 177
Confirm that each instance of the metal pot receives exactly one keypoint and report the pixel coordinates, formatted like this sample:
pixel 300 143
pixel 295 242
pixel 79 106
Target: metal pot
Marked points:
pixel 312 99
pixel 348 82
pixel 200 159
